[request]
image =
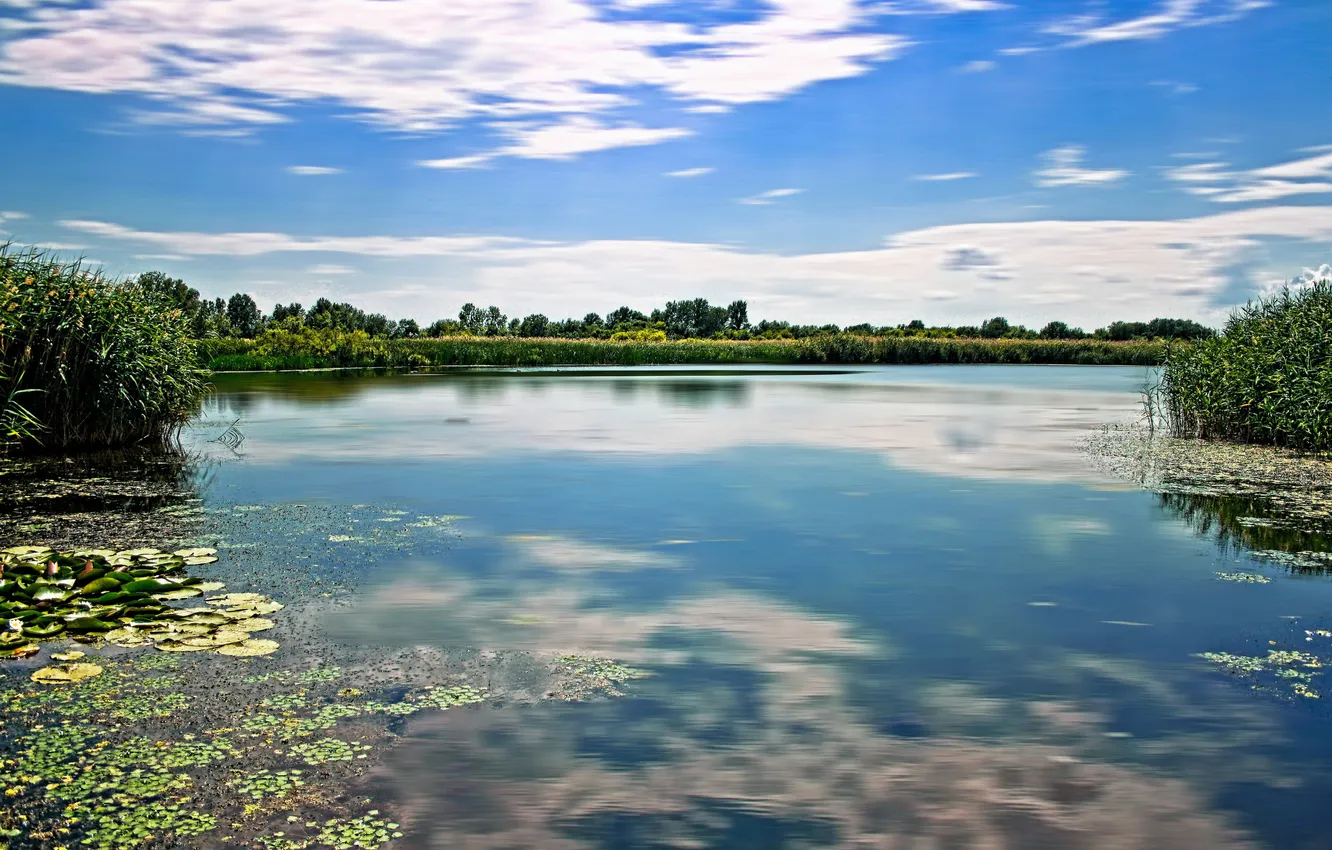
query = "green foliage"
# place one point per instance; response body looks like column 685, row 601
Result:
column 310, row 350
column 98, row 362
column 1266, row 379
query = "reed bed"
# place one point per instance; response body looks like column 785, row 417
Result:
column 94, row 362
column 311, row 350
column 1266, row 379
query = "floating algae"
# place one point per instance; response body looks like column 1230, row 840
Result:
column 1244, row 578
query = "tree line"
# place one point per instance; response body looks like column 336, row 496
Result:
column 240, row 316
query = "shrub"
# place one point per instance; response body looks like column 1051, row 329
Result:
column 98, row 362
column 1266, row 379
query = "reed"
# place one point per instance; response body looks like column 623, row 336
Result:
column 1266, row 379
column 96, row 362
column 333, row 349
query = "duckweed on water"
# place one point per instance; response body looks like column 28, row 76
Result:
column 327, row 750
column 268, row 783
column 1244, row 578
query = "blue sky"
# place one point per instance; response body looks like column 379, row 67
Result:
column 828, row 160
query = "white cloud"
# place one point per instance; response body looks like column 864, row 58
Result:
column 256, row 244
column 422, row 65
column 1019, row 51
column 1063, row 167
column 945, row 177
column 169, row 257
column 1165, row 17
column 968, row 5
column 1307, row 176
column 564, row 140
column 312, row 170
column 330, row 268
column 473, row 161
column 763, row 198
column 690, row 172
column 1033, row 271
column 979, row 66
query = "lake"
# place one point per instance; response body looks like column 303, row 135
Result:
column 889, row 607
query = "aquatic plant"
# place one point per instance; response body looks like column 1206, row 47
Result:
column 99, row 362
column 1266, row 379
column 122, row 598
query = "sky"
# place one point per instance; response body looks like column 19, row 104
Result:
column 826, row 160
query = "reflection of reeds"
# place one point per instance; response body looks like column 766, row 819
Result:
column 1266, row 379
column 100, row 362
column 332, row 350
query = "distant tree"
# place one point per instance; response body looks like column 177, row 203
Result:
column 737, row 316
column 443, row 327
column 693, row 319
column 995, row 328
column 534, row 325
column 592, row 321
column 623, row 318
column 1056, row 330
column 377, row 324
column 1121, row 331
column 864, row 329
column 514, row 325
column 471, row 318
column 405, row 329
column 1178, row 329
column 244, row 315
column 327, row 315
column 494, row 323
column 287, row 311
column 915, row 325
column 172, row 290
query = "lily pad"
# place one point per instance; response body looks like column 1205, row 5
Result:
column 231, row 599
column 209, row 586
column 172, row 646
column 250, row 648
column 221, row 637
column 127, row 637
column 62, row 674
column 183, row 593
column 205, row 559
column 72, row 655
column 253, row 624
column 194, row 553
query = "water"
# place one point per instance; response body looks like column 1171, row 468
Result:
column 882, row 607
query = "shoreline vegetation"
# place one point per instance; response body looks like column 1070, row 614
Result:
column 1267, row 378
column 281, row 351
column 87, row 361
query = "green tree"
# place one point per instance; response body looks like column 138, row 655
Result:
column 471, row 318
column 534, row 325
column 737, row 316
column 244, row 315
column 995, row 328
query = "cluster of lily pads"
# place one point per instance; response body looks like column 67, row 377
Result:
column 87, row 593
column 1244, row 578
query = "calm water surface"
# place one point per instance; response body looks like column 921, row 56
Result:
column 883, row 607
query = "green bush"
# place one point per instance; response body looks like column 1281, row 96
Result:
column 1266, row 379
column 97, row 362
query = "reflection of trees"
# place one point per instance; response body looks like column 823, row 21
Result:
column 746, row 737
column 121, row 497
column 1247, row 523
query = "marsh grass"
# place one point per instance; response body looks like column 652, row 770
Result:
column 312, row 350
column 95, row 362
column 1266, row 379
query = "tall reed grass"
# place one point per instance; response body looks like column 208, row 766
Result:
column 95, row 362
column 1266, row 379
column 311, row 349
